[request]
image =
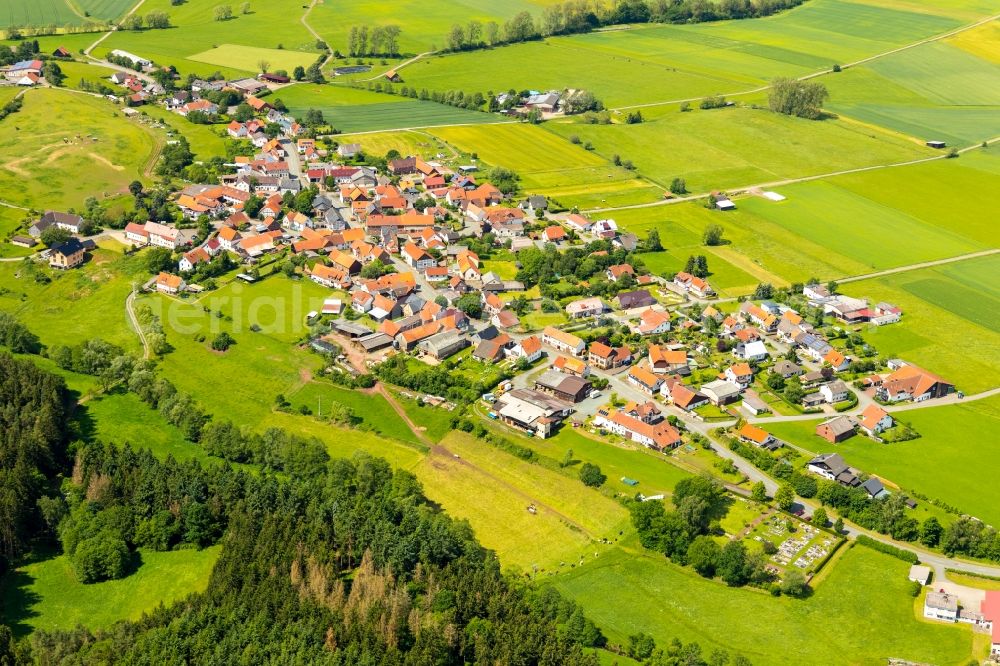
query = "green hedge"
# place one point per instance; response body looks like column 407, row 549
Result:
column 898, row 553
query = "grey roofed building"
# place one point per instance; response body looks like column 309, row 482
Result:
column 444, row 344
column 349, row 328
column 491, row 277
column 629, row 242
column 635, row 299
column 832, row 462
column 348, row 149
column 786, row 369
column 290, row 184
column 754, row 403
column 535, row 202
column 374, row 342
column 321, row 203
column 874, row 488
column 564, row 386
column 720, row 392
column 504, row 286
column 840, row 425
column 487, row 333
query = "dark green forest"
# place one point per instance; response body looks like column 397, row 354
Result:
column 353, row 566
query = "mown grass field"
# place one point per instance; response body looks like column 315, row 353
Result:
column 942, row 463
column 626, row 591
column 269, row 25
column 732, row 147
column 550, row 165
column 935, row 91
column 46, row 595
column 354, row 110
column 248, row 58
column 407, row 142
column 59, row 159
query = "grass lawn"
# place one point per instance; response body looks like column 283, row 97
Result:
column 356, row 110
column 973, row 581
column 122, row 418
column 626, row 592
column 938, row 464
column 11, row 220
column 46, row 595
column 549, row 164
column 740, row 146
column 87, row 149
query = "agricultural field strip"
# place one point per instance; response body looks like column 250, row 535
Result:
column 787, row 181
column 824, row 72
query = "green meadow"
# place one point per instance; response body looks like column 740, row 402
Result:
column 356, row 110
column 61, row 159
column 271, row 25
column 425, row 24
column 947, row 461
column 374, row 410
column 206, row 141
column 550, row 165
column 627, row 591
column 122, row 418
column 935, row 91
column 407, row 142
column 833, row 228
column 647, row 64
column 60, row 12
column 569, row 516
column 738, row 147
column 949, row 323
column 45, row 595
column 76, row 305
column 249, row 58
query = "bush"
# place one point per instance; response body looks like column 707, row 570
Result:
column 103, row 557
column 222, row 342
column 592, row 476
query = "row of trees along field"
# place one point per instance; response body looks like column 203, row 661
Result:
column 351, row 565
column 575, row 16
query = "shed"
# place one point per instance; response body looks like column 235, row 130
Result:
column 920, row 574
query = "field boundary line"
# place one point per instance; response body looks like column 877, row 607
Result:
column 918, row 266
column 743, row 189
